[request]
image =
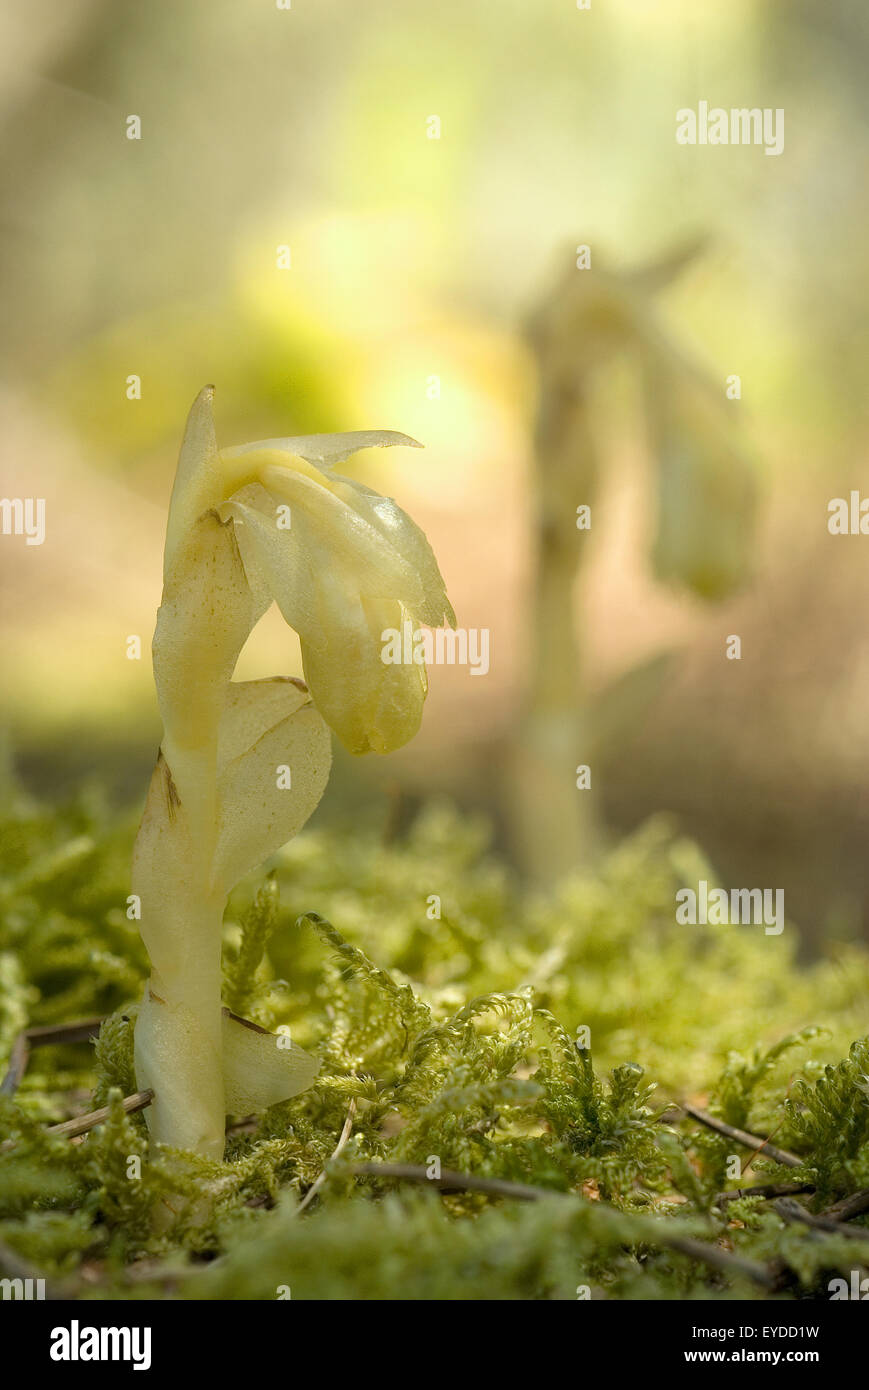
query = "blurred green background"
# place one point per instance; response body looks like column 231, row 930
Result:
column 415, row 259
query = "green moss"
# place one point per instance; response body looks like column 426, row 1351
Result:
column 449, row 1041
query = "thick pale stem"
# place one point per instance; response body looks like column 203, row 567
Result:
column 178, row 1031
column 204, row 619
column 179, row 1050
column 552, row 821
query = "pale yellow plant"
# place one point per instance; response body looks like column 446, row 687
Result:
column 249, row 525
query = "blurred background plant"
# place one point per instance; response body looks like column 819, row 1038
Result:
column 704, row 529
column 415, row 264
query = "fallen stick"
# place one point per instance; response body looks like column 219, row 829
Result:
column 792, row 1211
column 81, row 1031
column 449, row 1181
column 772, row 1189
column 846, row 1208
column 80, row 1124
column 741, row 1136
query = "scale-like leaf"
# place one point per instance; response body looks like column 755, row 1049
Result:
column 252, row 708
column 261, row 1068
column 257, row 813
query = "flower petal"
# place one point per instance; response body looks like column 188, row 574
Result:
column 198, row 476
column 410, row 541
column 363, row 539
column 327, row 449
column 286, row 567
column 372, row 706
column 350, row 565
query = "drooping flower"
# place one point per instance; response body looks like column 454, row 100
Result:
column 345, row 565
column 261, row 522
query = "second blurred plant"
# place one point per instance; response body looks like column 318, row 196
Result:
column 591, row 320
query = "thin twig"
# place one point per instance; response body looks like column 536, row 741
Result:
column 848, row 1207
column 80, row 1124
column 18, row 1059
column 449, row 1181
column 81, row 1031
column 339, row 1148
column 723, row 1260
column 772, row 1189
column 454, row 1182
column 792, row 1211
column 741, row 1136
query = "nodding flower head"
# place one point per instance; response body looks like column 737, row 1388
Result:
column 343, row 564
column 265, row 521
